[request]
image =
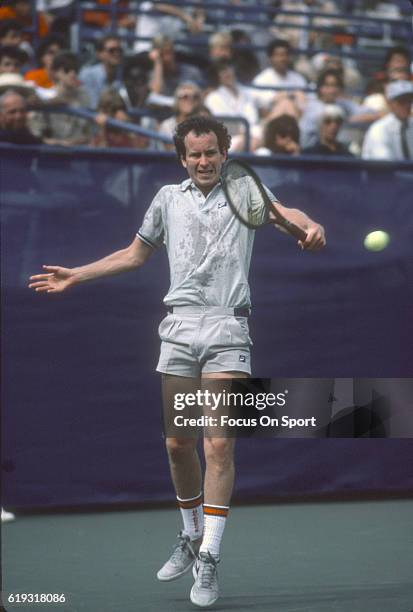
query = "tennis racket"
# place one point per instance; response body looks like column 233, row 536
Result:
column 250, row 202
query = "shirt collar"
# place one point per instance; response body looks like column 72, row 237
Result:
column 186, row 184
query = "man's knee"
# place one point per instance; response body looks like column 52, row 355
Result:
column 219, row 451
column 180, row 447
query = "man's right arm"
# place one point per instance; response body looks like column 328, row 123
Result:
column 56, row 279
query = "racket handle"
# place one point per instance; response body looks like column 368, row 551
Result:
column 295, row 231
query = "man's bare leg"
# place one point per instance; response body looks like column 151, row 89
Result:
column 219, row 452
column 219, row 482
column 186, row 476
column 182, row 452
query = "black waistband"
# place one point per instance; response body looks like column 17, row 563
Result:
column 238, row 312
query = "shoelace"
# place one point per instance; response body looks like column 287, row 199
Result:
column 183, row 543
column 207, row 570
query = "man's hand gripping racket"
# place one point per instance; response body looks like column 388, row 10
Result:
column 252, row 205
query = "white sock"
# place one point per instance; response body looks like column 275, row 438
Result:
column 214, row 523
column 192, row 516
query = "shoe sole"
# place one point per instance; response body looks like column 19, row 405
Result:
column 195, row 574
column 211, row 603
column 176, row 576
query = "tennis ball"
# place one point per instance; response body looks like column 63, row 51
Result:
column 376, row 241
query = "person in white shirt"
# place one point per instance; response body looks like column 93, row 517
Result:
column 278, row 74
column 391, row 137
column 231, row 98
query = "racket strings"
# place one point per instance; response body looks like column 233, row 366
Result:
column 245, row 195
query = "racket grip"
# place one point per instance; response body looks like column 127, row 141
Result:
column 296, row 231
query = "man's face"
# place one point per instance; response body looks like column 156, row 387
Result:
column 13, row 113
column 111, row 54
column 401, row 107
column 9, row 65
column 203, row 160
column 280, row 59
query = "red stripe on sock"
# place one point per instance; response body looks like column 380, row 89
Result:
column 193, row 503
column 214, row 511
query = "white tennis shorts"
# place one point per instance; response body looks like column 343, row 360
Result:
column 203, row 342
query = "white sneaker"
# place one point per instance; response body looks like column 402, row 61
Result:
column 6, row 517
column 205, row 590
column 181, row 560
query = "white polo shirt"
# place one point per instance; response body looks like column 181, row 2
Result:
column 209, row 250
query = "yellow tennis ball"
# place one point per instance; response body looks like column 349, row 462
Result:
column 376, row 241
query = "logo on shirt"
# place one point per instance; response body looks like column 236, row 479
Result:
column 242, row 358
column 222, row 204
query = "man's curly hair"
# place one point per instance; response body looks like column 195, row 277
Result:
column 201, row 125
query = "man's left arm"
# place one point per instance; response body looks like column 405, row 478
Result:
column 316, row 239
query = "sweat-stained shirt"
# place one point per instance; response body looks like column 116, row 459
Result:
column 209, row 250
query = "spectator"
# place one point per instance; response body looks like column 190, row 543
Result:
column 107, row 72
column 281, row 137
column 47, row 50
column 397, row 60
column 15, row 82
column 167, row 72
column 278, row 74
column 23, row 12
column 231, row 98
column 391, row 137
column 12, row 60
column 346, row 68
column 220, row 46
column 112, row 106
column 60, row 14
column 187, row 102
column 60, row 128
column 330, row 91
column 245, row 61
column 13, row 120
column 171, row 22
column 330, row 122
column 396, row 67
column 136, row 75
column 11, row 33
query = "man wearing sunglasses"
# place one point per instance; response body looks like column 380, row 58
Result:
column 107, row 72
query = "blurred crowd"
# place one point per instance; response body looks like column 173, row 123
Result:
column 280, row 86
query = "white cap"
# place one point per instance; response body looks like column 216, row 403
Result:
column 397, row 89
column 16, row 82
column 332, row 110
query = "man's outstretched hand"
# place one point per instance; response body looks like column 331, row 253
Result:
column 54, row 280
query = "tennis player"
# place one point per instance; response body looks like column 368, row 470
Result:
column 204, row 334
